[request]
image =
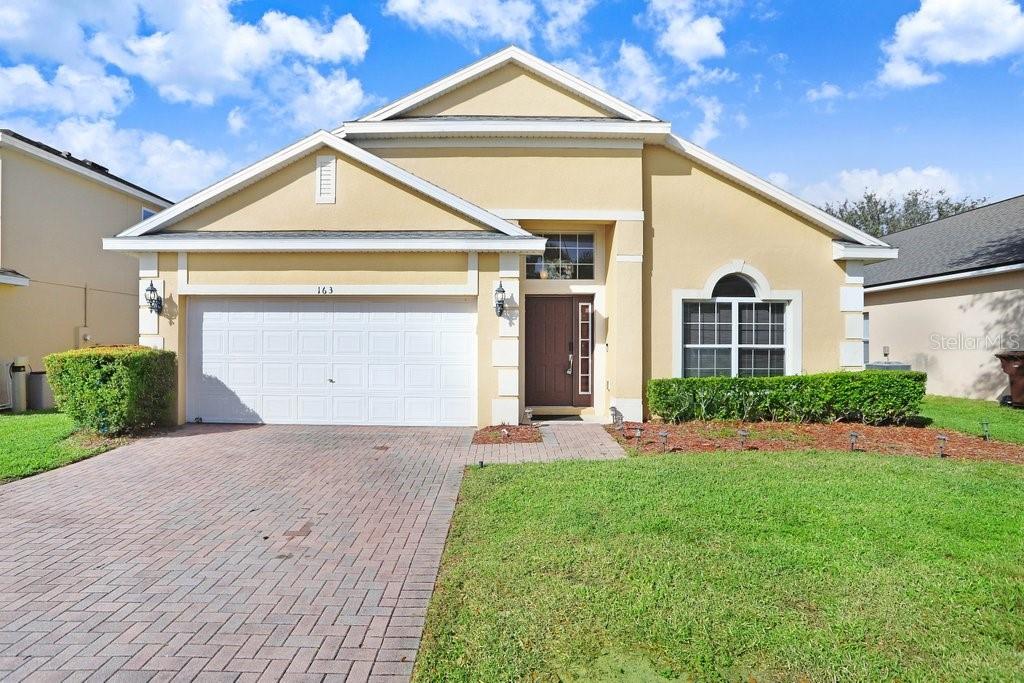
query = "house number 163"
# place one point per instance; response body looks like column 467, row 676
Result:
column 324, row 289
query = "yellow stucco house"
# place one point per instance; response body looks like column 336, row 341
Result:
column 352, row 277
column 58, row 288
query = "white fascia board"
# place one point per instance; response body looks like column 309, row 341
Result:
column 859, row 252
column 952, row 277
column 597, row 216
column 524, row 59
column 32, row 150
column 483, row 141
column 16, row 280
column 769, row 191
column 261, row 169
column 599, row 128
column 298, row 244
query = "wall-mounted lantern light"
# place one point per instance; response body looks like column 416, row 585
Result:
column 499, row 300
column 155, row 301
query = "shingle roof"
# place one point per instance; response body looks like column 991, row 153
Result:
column 84, row 163
column 986, row 237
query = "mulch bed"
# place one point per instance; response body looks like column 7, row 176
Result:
column 507, row 434
column 695, row 436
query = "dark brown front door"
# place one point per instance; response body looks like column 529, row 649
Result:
column 559, row 350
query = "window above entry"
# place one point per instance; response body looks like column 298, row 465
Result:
column 568, row 256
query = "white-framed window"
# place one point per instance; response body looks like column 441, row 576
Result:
column 146, row 213
column 734, row 333
column 567, row 256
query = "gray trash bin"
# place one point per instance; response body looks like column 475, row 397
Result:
column 40, row 397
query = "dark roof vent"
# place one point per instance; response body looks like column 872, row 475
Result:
column 94, row 166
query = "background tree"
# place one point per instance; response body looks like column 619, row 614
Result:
column 879, row 215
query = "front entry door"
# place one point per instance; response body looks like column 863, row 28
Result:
column 559, row 350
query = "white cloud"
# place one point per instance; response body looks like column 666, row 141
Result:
column 741, row 120
column 564, row 23
column 23, row 88
column 197, row 51
column 508, row 20
column 850, row 184
column 165, row 165
column 687, row 37
column 950, row 32
column 779, row 179
column 633, row 76
column 826, row 91
column 237, row 121
column 707, row 129
column 322, row 101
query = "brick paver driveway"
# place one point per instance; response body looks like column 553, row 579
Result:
column 237, row 553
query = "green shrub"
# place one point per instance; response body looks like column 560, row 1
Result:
column 871, row 396
column 114, row 389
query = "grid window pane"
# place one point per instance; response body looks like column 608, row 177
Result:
column 709, row 339
column 568, row 256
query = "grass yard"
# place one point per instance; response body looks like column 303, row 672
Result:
column 815, row 566
column 965, row 415
column 31, row 443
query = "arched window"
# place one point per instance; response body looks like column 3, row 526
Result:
column 733, row 285
column 734, row 333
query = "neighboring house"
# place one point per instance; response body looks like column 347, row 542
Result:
column 58, row 288
column 954, row 298
column 351, row 277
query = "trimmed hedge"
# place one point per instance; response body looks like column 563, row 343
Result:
column 870, row 396
column 114, row 389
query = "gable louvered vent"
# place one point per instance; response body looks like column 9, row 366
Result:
column 326, row 178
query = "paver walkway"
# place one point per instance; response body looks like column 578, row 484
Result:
column 239, row 553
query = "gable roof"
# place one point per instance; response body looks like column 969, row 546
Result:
column 511, row 55
column 321, row 138
column 84, row 167
column 633, row 123
column 989, row 236
column 773, row 193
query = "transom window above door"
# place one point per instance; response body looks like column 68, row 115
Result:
column 733, row 334
column 568, row 256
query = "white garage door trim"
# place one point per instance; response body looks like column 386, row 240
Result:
column 332, row 360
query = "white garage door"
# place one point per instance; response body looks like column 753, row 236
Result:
column 332, row 360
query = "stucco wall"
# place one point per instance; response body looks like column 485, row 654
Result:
column 508, row 91
column 530, row 178
column 950, row 330
column 696, row 222
column 366, row 200
column 332, row 268
column 52, row 222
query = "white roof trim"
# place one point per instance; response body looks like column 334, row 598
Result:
column 769, row 191
column 524, row 59
column 16, row 280
column 596, row 215
column 951, row 277
column 301, row 244
column 860, row 252
column 565, row 128
column 49, row 157
column 265, row 167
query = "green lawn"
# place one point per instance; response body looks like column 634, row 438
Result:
column 35, row 442
column 965, row 415
column 792, row 566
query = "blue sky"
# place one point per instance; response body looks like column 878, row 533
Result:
column 823, row 98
